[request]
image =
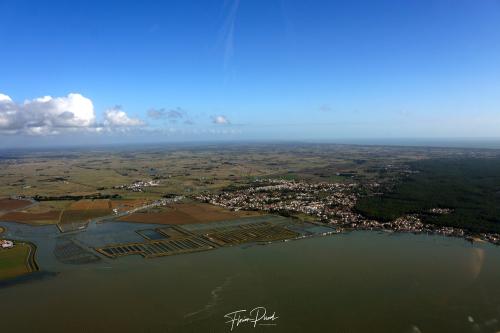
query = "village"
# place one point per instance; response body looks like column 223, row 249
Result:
column 327, row 202
column 331, row 203
column 138, row 186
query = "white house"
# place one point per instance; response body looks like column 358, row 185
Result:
column 6, row 244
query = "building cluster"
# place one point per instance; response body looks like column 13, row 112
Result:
column 440, row 211
column 328, row 202
column 492, row 238
column 138, row 186
column 412, row 223
column 408, row 223
column 331, row 203
column 6, row 244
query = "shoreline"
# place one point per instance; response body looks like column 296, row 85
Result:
column 429, row 229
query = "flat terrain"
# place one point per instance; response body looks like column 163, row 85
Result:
column 86, row 204
column 46, row 212
column 7, row 204
column 13, row 262
column 76, row 185
column 188, row 170
column 49, row 217
column 68, row 211
column 126, row 205
column 84, row 210
column 186, row 213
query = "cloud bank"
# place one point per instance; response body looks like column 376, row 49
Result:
column 53, row 115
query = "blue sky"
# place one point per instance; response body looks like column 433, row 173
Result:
column 248, row 69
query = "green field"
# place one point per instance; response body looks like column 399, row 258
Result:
column 70, row 216
column 14, row 262
column 469, row 186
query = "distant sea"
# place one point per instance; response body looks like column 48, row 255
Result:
column 430, row 142
column 478, row 143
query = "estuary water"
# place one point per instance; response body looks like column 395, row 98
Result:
column 349, row 282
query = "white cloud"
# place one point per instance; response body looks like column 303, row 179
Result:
column 5, row 98
column 54, row 115
column 73, row 110
column 45, row 115
column 220, row 120
column 115, row 117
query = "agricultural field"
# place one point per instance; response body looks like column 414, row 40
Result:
column 78, row 185
column 45, row 212
column 128, row 204
column 7, row 204
column 186, row 213
column 47, row 206
column 86, row 204
column 50, row 217
column 82, row 215
column 60, row 211
column 14, row 261
column 84, row 210
column 186, row 170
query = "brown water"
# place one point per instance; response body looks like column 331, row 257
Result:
column 355, row 282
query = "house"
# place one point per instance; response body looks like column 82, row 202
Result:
column 6, row 244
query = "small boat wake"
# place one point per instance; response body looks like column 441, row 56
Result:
column 214, row 298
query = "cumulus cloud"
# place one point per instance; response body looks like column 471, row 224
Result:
column 116, row 117
column 53, row 115
column 46, row 115
column 4, row 98
column 220, row 120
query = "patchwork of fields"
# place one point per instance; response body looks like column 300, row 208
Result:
column 129, row 186
column 186, row 213
column 65, row 211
